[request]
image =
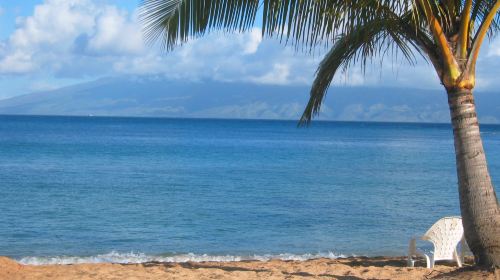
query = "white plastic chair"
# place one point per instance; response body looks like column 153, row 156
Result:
column 445, row 235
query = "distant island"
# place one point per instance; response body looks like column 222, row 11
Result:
column 151, row 96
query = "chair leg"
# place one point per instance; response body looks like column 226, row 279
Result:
column 463, row 246
column 429, row 261
column 410, row 262
column 412, row 251
column 457, row 258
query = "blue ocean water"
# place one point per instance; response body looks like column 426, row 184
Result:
column 130, row 189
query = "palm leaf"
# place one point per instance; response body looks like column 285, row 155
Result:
column 363, row 43
column 176, row 20
column 304, row 22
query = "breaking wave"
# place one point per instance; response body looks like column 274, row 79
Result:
column 123, row 258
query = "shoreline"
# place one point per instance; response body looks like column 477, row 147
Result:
column 137, row 257
column 321, row 268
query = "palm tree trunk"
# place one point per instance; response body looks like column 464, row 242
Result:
column 478, row 200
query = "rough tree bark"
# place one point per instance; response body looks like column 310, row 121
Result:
column 478, row 200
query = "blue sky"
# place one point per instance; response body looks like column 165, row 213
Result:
column 46, row 44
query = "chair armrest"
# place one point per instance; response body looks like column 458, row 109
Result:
column 413, row 251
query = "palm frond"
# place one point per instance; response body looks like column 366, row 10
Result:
column 479, row 13
column 309, row 22
column 304, row 22
column 361, row 44
column 175, row 21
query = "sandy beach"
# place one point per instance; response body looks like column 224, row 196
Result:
column 346, row 268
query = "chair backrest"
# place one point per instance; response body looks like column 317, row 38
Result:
column 445, row 235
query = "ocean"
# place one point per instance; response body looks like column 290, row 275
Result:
column 99, row 189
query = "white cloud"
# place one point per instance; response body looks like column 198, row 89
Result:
column 224, row 57
column 278, row 75
column 16, row 62
column 494, row 48
column 53, row 24
column 61, row 32
column 83, row 39
column 353, row 77
column 252, row 41
column 142, row 65
column 115, row 33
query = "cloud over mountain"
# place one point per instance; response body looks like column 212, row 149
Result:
column 155, row 96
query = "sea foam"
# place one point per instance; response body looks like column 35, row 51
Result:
column 123, row 258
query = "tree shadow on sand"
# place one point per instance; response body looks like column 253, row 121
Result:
column 461, row 273
column 191, row 265
column 394, row 262
column 333, row 276
column 374, row 261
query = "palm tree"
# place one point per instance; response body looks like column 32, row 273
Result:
column 447, row 33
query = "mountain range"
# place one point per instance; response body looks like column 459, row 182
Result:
column 159, row 97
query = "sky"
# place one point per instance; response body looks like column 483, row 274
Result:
column 48, row 44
